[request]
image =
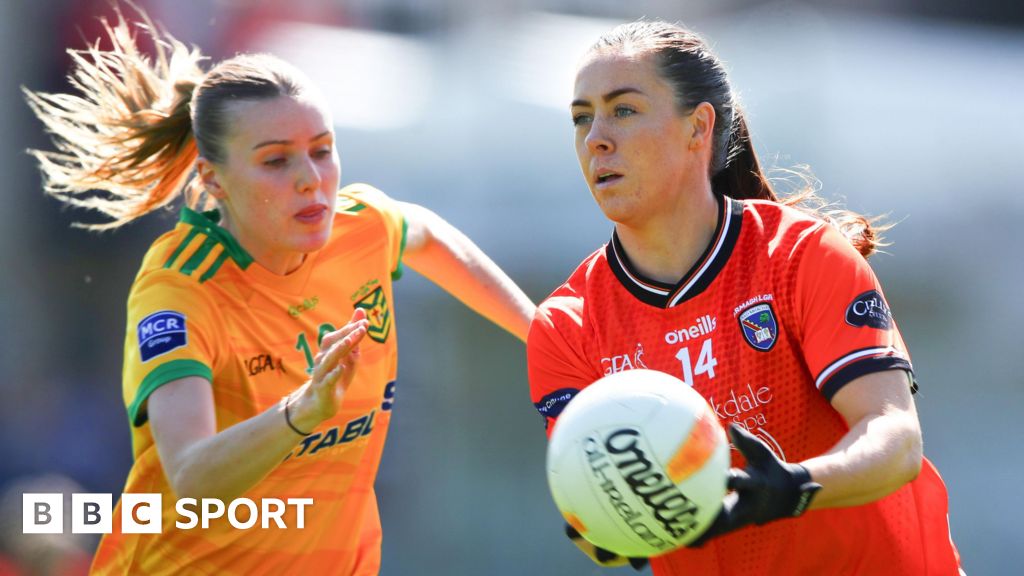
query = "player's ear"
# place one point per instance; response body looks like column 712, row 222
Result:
column 702, row 121
column 208, row 176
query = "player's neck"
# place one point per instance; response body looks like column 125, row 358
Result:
column 276, row 261
column 665, row 247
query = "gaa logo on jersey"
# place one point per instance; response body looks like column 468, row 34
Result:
column 161, row 332
column 759, row 326
column 378, row 313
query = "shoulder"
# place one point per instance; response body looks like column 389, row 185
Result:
column 181, row 266
column 169, row 288
column 570, row 296
column 195, row 252
column 562, row 312
column 774, row 219
column 361, row 204
column 358, row 197
column 783, row 232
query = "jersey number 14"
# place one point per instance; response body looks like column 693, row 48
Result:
column 705, row 362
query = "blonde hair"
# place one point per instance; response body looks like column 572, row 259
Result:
column 138, row 124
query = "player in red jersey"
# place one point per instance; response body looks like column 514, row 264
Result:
column 770, row 312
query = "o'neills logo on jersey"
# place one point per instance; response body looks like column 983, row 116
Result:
column 625, row 451
column 703, row 326
column 869, row 309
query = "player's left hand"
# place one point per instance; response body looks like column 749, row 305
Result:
column 767, row 489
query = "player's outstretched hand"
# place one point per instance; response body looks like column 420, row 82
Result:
column 767, row 489
column 599, row 555
column 333, row 369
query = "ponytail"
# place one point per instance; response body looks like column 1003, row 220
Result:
column 696, row 74
column 129, row 131
column 742, row 179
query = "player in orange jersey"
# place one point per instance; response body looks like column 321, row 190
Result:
column 767, row 310
column 260, row 351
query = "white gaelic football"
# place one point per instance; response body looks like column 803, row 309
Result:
column 637, row 462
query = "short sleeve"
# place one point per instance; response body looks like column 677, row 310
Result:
column 170, row 334
column 357, row 197
column 556, row 364
column 846, row 327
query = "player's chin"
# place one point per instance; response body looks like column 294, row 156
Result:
column 311, row 240
column 617, row 209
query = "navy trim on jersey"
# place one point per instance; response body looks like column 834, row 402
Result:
column 697, row 278
column 869, row 365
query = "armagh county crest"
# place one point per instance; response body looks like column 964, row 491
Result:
column 759, row 326
column 378, row 313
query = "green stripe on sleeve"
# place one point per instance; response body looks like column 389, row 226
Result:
column 159, row 376
column 181, row 247
column 196, row 259
column 397, row 272
column 207, row 223
column 214, row 267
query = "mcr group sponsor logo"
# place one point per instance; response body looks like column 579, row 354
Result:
column 160, row 333
column 378, row 313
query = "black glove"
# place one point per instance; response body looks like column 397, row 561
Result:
column 767, row 489
column 599, row 555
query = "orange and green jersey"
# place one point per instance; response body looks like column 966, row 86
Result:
column 201, row 307
column 776, row 316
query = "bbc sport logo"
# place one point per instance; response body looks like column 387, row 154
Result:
column 143, row 513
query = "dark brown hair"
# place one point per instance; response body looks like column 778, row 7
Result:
column 696, row 74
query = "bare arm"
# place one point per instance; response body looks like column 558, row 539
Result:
column 202, row 463
column 882, row 450
column 448, row 258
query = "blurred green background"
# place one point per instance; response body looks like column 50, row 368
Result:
column 905, row 108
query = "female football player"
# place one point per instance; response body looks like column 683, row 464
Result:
column 769, row 311
column 260, row 350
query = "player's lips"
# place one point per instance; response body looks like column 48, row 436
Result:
column 604, row 177
column 312, row 214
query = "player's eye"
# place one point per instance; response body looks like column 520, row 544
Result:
column 622, row 111
column 581, row 118
column 275, row 162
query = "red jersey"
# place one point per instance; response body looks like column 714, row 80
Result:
column 776, row 316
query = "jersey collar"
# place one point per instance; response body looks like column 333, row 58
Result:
column 697, row 278
column 208, row 223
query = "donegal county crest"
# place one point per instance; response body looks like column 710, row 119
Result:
column 378, row 313
column 759, row 326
